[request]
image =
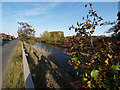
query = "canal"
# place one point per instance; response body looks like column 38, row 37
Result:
column 59, row 57
column 57, row 53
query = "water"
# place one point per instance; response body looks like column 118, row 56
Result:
column 56, row 52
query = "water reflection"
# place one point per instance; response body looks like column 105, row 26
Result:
column 56, row 52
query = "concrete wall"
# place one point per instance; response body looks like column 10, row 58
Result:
column 27, row 74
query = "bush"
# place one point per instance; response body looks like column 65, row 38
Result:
column 96, row 60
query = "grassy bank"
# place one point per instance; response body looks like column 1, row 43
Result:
column 15, row 75
column 36, row 69
column 42, row 69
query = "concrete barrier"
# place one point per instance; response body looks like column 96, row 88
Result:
column 27, row 75
column 48, row 75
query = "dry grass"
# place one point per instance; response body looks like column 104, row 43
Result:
column 15, row 74
column 42, row 69
column 39, row 69
column 43, row 51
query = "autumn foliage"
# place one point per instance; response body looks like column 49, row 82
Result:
column 96, row 60
column 26, row 32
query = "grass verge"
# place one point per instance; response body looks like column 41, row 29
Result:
column 15, row 75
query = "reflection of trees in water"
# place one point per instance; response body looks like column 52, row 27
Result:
column 57, row 54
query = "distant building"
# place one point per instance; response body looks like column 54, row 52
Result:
column 6, row 37
column 3, row 35
column 57, row 34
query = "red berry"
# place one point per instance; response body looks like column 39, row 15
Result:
column 83, row 18
column 90, row 4
column 91, row 80
column 101, row 24
column 76, row 29
column 83, row 86
column 71, row 83
column 103, row 40
column 117, row 42
column 86, row 5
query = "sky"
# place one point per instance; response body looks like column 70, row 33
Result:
column 53, row 16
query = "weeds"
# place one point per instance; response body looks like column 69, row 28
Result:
column 15, row 74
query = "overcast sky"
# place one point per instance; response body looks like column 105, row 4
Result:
column 53, row 16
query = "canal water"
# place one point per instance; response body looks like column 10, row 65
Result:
column 57, row 53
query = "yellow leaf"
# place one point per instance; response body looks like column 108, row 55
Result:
column 110, row 56
column 78, row 62
column 89, row 63
column 96, row 54
column 78, row 24
column 106, row 61
column 72, row 48
column 92, row 61
column 109, row 43
column 85, row 79
column 86, row 74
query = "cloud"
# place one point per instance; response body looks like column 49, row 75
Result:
column 24, row 19
column 35, row 11
column 39, row 9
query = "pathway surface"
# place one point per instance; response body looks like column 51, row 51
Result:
column 8, row 48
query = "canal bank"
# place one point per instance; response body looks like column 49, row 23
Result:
column 40, row 64
column 58, row 56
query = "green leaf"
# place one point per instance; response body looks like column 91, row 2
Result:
column 75, row 67
column 116, row 79
column 115, row 68
column 94, row 74
column 106, row 83
column 77, row 73
column 100, row 69
column 106, row 86
column 74, row 58
column 89, row 84
column 85, row 79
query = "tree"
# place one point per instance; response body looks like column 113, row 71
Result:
column 57, row 36
column 87, row 28
column 25, row 31
column 45, row 36
column 62, row 38
column 95, row 60
column 116, row 27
